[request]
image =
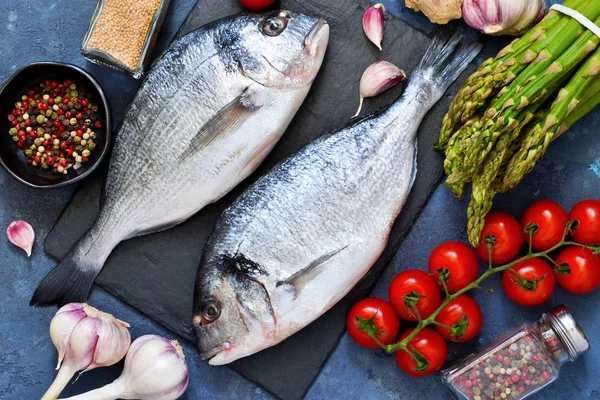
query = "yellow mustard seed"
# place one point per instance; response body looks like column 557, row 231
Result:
column 122, row 28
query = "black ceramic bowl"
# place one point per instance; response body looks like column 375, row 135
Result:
column 12, row 158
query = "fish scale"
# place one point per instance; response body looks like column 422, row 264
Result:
column 188, row 138
column 315, row 224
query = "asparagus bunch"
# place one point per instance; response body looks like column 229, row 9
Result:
column 499, row 125
column 497, row 72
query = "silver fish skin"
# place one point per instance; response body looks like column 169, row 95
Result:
column 294, row 243
column 207, row 114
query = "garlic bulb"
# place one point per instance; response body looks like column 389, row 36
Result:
column 503, row 17
column 155, row 369
column 378, row 78
column 374, row 24
column 438, row 11
column 21, row 234
column 85, row 338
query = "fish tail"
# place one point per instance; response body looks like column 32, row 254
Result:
column 71, row 280
column 447, row 57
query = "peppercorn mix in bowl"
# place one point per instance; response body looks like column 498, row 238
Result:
column 54, row 125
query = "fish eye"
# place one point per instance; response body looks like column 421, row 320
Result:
column 210, row 310
column 273, row 26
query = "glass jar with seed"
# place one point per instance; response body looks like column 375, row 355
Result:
column 520, row 361
column 122, row 33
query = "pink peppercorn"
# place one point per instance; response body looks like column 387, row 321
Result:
column 546, row 375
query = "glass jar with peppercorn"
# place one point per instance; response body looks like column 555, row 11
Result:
column 520, row 361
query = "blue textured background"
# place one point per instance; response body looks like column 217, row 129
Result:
column 36, row 30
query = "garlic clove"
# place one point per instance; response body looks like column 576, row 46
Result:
column 113, row 341
column 374, row 24
column 81, row 346
column 61, row 326
column 503, row 17
column 21, row 234
column 533, row 11
column 378, row 78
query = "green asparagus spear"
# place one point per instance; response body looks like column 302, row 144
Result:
column 543, row 133
column 588, row 102
column 503, row 117
column 455, row 153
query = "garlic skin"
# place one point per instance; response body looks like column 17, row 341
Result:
column 85, row 338
column 503, row 17
column 21, row 234
column 374, row 24
column 155, row 369
column 438, row 11
column 378, row 78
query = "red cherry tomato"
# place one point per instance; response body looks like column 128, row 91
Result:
column 587, row 212
column 583, row 275
column 414, row 287
column 256, row 4
column 430, row 346
column 464, row 316
column 460, row 261
column 382, row 314
column 551, row 220
column 508, row 234
column 532, row 284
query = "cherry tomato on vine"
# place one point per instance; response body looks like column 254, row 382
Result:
column 458, row 260
column 464, row 316
column 508, row 234
column 431, row 355
column 532, row 284
column 256, row 4
column 587, row 213
column 583, row 274
column 414, row 288
column 387, row 323
column 551, row 220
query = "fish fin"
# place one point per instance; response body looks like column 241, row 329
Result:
column 447, row 57
column 223, row 123
column 299, row 279
column 66, row 283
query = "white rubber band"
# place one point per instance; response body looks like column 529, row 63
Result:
column 579, row 17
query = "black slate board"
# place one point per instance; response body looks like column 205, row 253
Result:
column 155, row 274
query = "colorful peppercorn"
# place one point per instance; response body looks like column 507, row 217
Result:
column 38, row 121
column 519, row 362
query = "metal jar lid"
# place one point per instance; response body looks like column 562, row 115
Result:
column 569, row 331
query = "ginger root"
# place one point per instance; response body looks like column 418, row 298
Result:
column 438, row 11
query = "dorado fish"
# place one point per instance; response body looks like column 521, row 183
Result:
column 207, row 114
column 294, row 243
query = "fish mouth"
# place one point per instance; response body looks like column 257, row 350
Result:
column 215, row 350
column 317, row 38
